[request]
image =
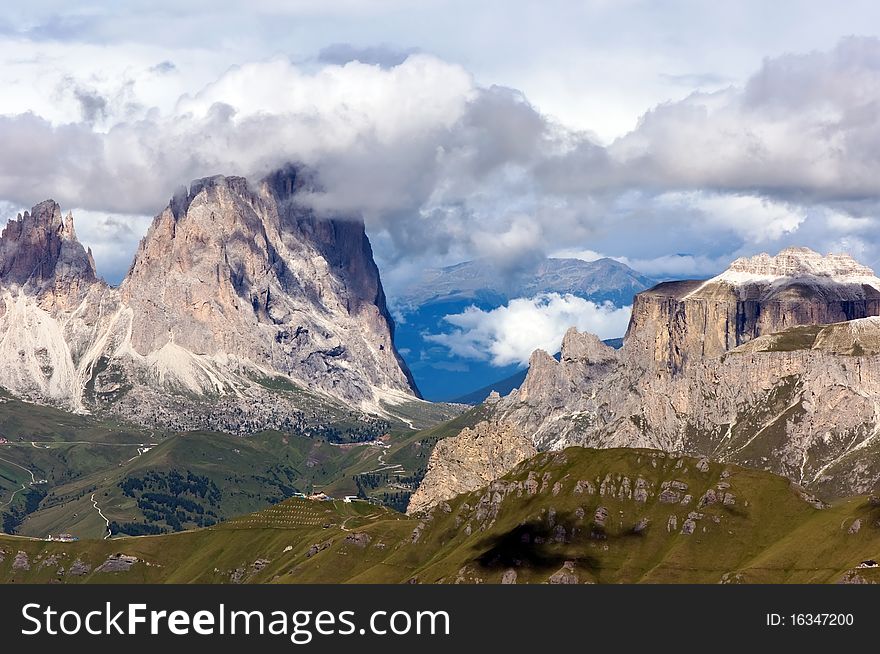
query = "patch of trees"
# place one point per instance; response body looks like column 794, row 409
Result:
column 136, row 529
column 366, row 429
column 173, row 483
column 181, row 501
column 13, row 518
column 396, row 500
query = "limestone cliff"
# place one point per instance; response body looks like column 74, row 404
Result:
column 739, row 368
column 40, row 255
column 469, row 461
column 676, row 322
column 250, row 276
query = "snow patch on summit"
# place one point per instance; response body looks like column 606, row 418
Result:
column 797, row 262
column 794, row 263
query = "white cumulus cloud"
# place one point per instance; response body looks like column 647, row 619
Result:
column 509, row 334
column 441, row 164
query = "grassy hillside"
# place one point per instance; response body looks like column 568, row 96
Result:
column 603, row 516
column 59, row 471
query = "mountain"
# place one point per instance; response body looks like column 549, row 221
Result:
column 740, row 368
column 574, row 516
column 242, row 310
column 603, row 280
column 759, row 295
column 437, row 293
column 39, row 252
column 504, row 386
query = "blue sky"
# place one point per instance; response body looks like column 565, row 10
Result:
column 674, row 136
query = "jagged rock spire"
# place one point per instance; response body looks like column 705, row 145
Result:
column 40, row 249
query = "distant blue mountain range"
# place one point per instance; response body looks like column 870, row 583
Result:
column 421, row 308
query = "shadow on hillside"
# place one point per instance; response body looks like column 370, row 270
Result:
column 536, row 545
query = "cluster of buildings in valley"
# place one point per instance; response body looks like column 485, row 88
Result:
column 63, row 538
column 323, row 497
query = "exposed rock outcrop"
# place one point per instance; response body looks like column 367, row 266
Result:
column 40, row 254
column 469, row 461
column 677, row 322
column 117, row 563
column 21, row 562
column 565, row 575
column 791, row 402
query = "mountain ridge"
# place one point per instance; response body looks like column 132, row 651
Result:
column 233, row 284
column 603, row 280
column 771, row 374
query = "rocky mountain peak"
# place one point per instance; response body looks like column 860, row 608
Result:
column 40, row 250
column 248, row 272
column 585, row 347
column 542, row 372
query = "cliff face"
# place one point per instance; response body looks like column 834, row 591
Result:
column 739, row 368
column 250, row 275
column 236, row 290
column 677, row 322
column 469, row 461
column 48, row 295
column 804, row 403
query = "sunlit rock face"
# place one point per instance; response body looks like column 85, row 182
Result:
column 675, row 322
column 774, row 364
column 235, row 285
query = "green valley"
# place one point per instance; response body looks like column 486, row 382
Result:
column 575, row 516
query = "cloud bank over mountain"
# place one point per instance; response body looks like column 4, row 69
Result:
column 442, row 164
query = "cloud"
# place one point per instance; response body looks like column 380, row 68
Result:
column 164, row 67
column 509, row 334
column 803, row 128
column 419, row 150
column 513, row 248
column 383, row 55
column 752, row 218
column 251, row 120
column 696, row 80
column 442, row 166
column 679, row 266
column 93, row 104
column 578, row 253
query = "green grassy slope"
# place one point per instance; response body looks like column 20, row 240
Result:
column 249, row 473
column 81, row 457
column 595, row 515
